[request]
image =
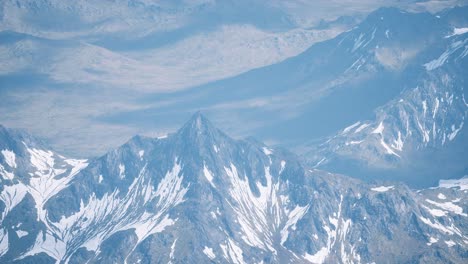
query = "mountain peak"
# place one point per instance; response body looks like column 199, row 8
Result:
column 198, row 126
column 198, row 121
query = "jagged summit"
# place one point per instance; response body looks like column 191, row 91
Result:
column 200, row 129
column 203, row 196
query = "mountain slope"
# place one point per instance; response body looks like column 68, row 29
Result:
column 200, row 196
column 422, row 124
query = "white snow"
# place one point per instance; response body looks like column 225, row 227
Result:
column 441, row 196
column 387, row 148
column 320, row 162
column 209, row 253
column 349, row 128
column 283, row 165
column 213, row 215
column 48, row 244
column 215, row 148
column 398, row 143
column 436, row 107
column 232, row 252
column 459, row 183
column 171, row 255
column 358, row 42
column 295, row 215
column 318, row 257
column 208, row 175
column 424, row 104
column 44, row 184
column 432, row 241
column 446, row 229
column 361, row 127
column 162, row 136
column 141, row 153
column 382, row 188
column 100, row 178
column 103, row 213
column 450, row 243
column 252, row 211
column 454, row 133
column 352, row 142
column 6, row 174
column 21, row 233
column 434, row 64
column 3, row 242
column 336, row 235
column 11, row 196
column 267, row 151
column 121, row 171
column 42, row 160
column 435, row 212
column 379, row 129
column 448, row 206
column 10, row 158
column 458, row 31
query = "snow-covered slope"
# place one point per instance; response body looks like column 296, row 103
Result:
column 200, row 196
column 425, row 122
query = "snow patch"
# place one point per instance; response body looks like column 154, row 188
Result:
column 267, row 151
column 458, row 31
column 232, row 252
column 208, row 175
column 460, row 183
column 448, row 206
column 446, row 229
column 361, row 127
column 434, row 64
column 295, row 215
column 318, row 257
column 3, row 242
column 435, row 212
column 398, row 143
column 10, row 158
column 383, row 188
column 455, row 131
column 209, row 253
column 450, row 243
column 379, row 129
column 283, row 165
column 432, row 241
column 347, row 129
column 6, row 174
column 21, row 233
column 121, row 171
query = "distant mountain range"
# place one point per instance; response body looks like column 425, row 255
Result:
column 373, row 113
column 198, row 196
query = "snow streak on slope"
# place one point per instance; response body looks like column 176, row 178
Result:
column 101, row 218
column 46, row 180
column 253, row 212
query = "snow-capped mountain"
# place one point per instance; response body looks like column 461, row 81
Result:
column 425, row 122
column 199, row 196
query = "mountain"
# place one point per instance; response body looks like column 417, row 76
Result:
column 400, row 77
column 200, row 196
column 425, row 122
column 335, row 82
